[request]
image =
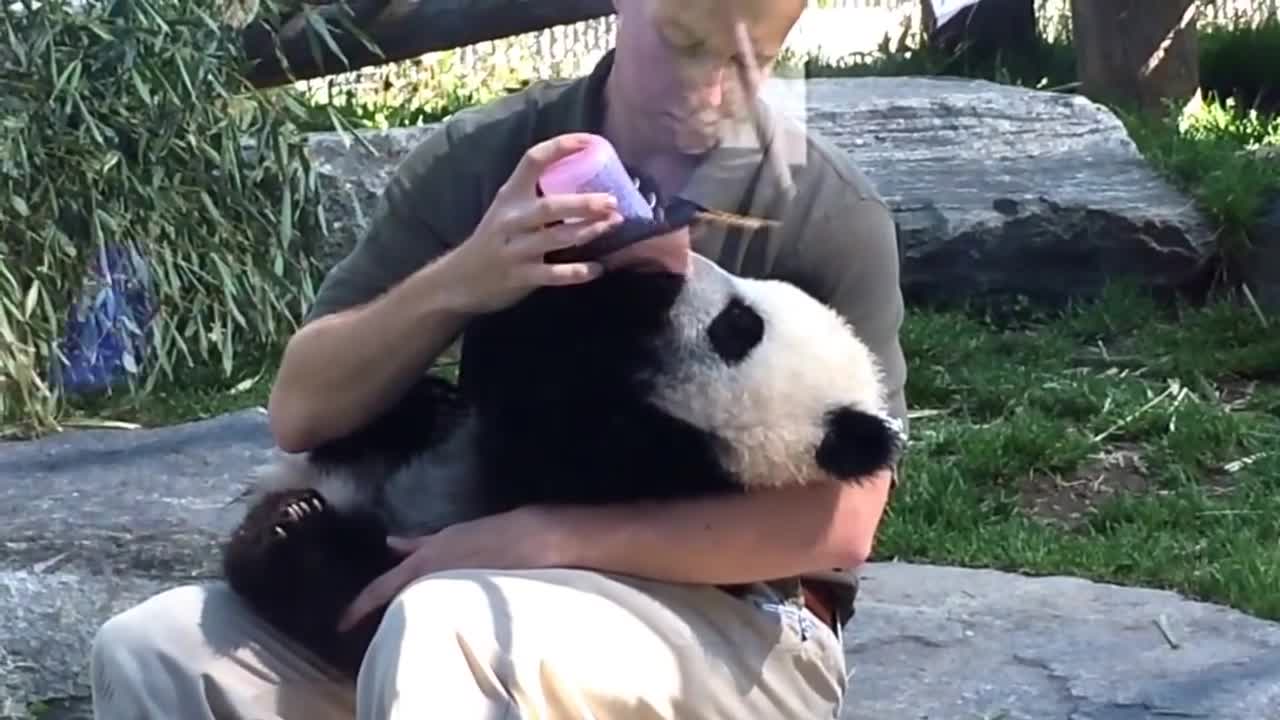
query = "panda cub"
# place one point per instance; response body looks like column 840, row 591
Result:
column 641, row 384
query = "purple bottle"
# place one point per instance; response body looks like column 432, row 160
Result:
column 596, row 168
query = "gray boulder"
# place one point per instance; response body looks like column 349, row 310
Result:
column 94, row 521
column 1001, row 190
column 352, row 170
column 998, row 190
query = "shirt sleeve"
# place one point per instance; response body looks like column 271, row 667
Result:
column 401, row 238
column 849, row 256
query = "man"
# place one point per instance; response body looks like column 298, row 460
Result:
column 699, row 609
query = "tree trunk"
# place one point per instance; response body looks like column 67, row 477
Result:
column 400, row 29
column 1137, row 53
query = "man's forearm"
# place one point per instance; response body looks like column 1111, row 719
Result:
column 725, row 540
column 340, row 369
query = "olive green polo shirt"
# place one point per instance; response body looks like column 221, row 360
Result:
column 836, row 240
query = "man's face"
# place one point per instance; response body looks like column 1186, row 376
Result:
column 678, row 61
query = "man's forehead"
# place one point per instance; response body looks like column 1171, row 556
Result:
column 688, row 20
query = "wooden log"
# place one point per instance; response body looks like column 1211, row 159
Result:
column 1137, row 53
column 399, row 29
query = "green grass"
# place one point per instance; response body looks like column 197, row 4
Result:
column 1217, row 153
column 1098, row 444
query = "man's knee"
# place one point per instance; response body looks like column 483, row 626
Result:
column 143, row 630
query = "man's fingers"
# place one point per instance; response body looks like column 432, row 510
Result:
column 565, row 273
column 530, row 217
column 539, row 157
column 556, row 208
column 566, row 235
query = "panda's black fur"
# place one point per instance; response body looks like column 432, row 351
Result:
column 619, row 389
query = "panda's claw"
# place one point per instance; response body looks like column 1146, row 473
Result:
column 295, row 512
column 304, row 506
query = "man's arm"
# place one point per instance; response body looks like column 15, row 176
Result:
column 342, row 368
column 753, row 537
column 390, row 307
column 727, row 540
column 381, row 316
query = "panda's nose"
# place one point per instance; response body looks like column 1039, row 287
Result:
column 670, row 252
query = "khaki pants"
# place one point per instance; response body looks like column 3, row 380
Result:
column 545, row 644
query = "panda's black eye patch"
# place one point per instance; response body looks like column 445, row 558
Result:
column 735, row 331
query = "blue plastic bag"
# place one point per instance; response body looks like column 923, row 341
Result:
column 108, row 329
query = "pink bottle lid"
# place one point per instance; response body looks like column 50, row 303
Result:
column 569, row 173
column 596, row 168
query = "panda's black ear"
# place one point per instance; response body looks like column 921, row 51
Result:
column 856, row 444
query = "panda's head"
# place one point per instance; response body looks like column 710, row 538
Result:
column 641, row 379
column 791, row 391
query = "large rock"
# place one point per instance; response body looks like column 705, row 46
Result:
column 94, row 521
column 91, row 522
column 352, row 170
column 998, row 190
column 936, row 642
column 1003, row 191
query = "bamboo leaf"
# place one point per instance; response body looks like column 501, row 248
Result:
column 321, row 27
column 33, row 296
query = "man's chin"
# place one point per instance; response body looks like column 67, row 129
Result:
column 697, row 141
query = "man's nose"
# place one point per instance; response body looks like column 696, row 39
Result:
column 708, row 87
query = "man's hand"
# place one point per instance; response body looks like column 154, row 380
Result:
column 516, row 539
column 503, row 259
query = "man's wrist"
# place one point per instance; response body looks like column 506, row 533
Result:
column 437, row 293
column 553, row 536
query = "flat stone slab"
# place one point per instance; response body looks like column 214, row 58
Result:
column 941, row 642
column 93, row 521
